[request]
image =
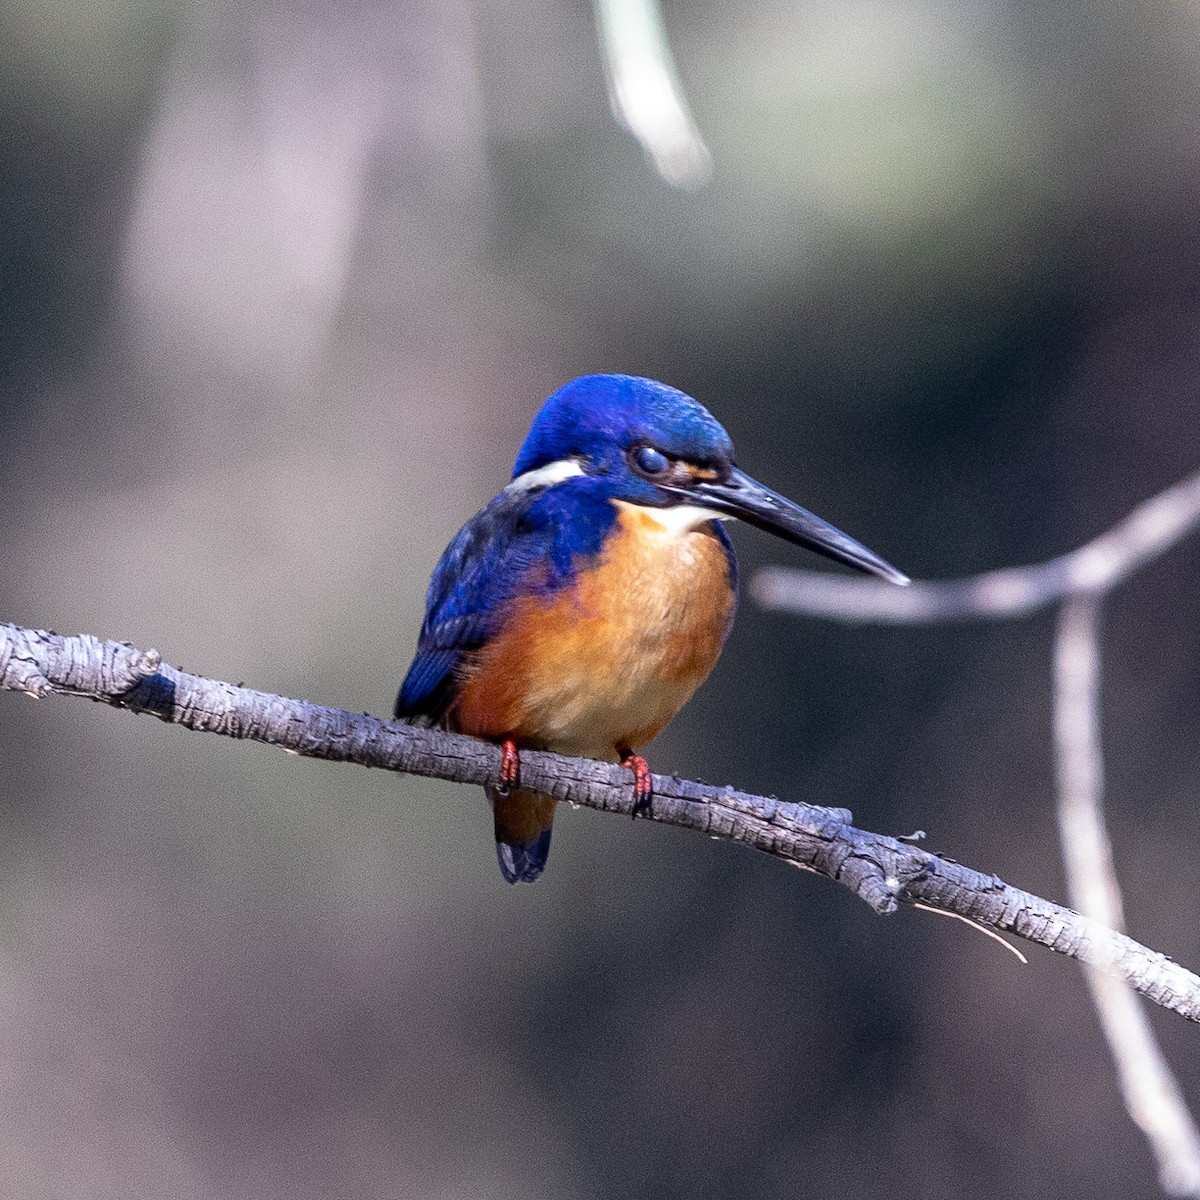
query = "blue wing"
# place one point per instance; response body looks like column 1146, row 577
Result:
column 521, row 540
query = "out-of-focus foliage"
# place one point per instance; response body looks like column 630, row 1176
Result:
column 280, row 286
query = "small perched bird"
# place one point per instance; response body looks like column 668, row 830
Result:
column 580, row 610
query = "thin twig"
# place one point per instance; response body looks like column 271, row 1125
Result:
column 882, row 871
column 991, row 933
column 645, row 93
column 1152, row 1095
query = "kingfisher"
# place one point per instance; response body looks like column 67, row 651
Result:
column 584, row 605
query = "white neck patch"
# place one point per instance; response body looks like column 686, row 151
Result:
column 540, row 477
column 682, row 518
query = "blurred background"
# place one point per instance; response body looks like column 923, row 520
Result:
column 281, row 285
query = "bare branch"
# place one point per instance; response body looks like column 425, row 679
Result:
column 1087, row 850
column 645, row 94
column 1152, row 1095
column 882, row 871
column 1095, row 568
column 1076, row 580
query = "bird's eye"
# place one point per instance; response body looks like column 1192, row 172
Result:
column 650, row 461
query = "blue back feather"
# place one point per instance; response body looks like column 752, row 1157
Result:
column 520, row 543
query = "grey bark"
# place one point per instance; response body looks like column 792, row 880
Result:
column 883, row 871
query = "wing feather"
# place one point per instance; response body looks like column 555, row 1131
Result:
column 520, row 541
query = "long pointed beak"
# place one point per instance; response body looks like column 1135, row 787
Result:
column 746, row 498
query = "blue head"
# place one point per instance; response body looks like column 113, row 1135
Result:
column 652, row 445
column 615, row 426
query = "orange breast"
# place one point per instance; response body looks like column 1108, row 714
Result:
column 608, row 661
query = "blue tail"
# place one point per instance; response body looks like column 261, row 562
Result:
column 523, row 864
column 524, row 821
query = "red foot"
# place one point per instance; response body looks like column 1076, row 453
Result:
column 510, row 766
column 643, row 788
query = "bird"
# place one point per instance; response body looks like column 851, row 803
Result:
column 582, row 607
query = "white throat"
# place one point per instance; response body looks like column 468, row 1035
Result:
column 683, row 518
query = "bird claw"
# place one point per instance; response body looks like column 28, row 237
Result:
column 510, row 767
column 643, row 787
